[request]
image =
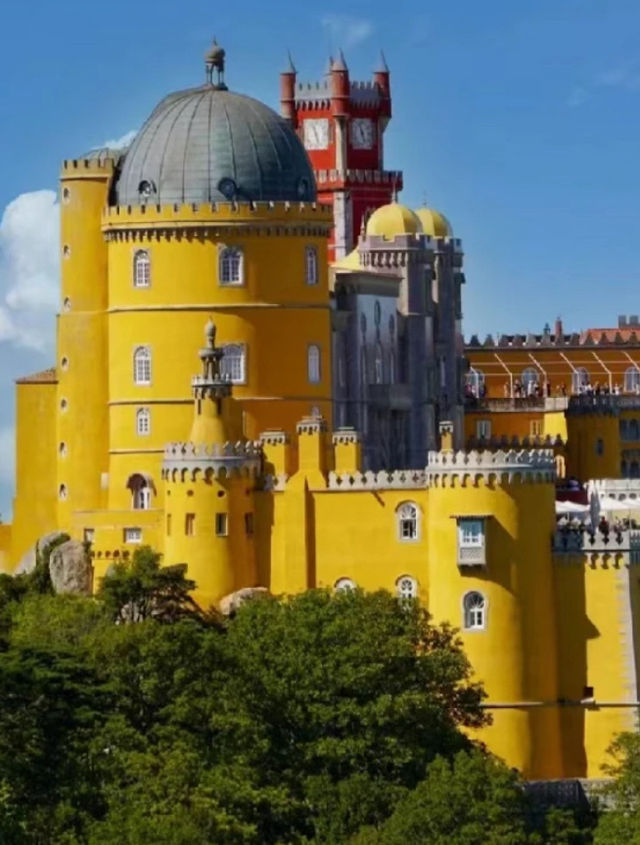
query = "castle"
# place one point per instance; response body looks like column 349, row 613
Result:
column 322, row 443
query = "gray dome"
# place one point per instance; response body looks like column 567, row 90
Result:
column 210, row 145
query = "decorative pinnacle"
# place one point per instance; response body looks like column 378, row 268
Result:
column 382, row 64
column 214, row 60
column 290, row 68
column 212, row 382
column 340, row 63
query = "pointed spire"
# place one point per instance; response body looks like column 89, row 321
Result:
column 340, row 63
column 290, row 67
column 382, row 64
column 329, row 66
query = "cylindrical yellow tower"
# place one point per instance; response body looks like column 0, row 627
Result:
column 491, row 516
column 82, row 434
column 209, row 486
column 593, row 442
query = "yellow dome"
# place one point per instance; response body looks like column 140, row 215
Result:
column 349, row 262
column 393, row 219
column 434, row 223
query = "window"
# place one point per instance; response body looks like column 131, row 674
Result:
column 133, row 535
column 378, row 371
column 474, row 607
column 407, row 519
column 579, row 380
column 471, row 541
column 311, row 265
column 88, row 535
column 222, row 524
column 599, row 446
column 141, row 269
column 632, row 380
column 142, row 365
column 190, row 524
column 364, row 376
column 474, row 382
column 536, row 428
column 483, row 429
column 141, row 488
column 143, row 421
column 233, row 365
column 530, row 377
column 62, row 492
column 407, row 587
column 248, row 524
column 344, row 584
column 230, row 266
column 168, row 525
column 392, row 367
column 313, row 363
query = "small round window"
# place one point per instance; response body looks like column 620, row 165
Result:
column 228, row 188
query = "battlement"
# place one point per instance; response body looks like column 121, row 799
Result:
column 504, row 442
column 500, row 467
column 188, row 461
column 624, row 545
column 392, row 178
column 402, row 479
column 77, row 168
column 223, row 213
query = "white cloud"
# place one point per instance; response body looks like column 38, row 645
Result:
column 624, row 77
column 29, row 269
column 347, row 31
column 122, row 142
column 7, row 455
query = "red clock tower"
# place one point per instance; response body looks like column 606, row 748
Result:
column 342, row 125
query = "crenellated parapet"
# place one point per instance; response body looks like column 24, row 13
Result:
column 595, row 546
column 402, row 479
column 82, row 168
column 189, row 461
column 510, row 443
column 448, row 468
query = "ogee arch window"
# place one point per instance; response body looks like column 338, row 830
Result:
column 313, row 363
column 407, row 518
column 141, row 487
column 474, row 611
column 231, row 266
column 142, row 365
column 344, row 584
column 141, row 268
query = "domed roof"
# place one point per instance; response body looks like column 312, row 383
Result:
column 393, row 219
column 208, row 144
column 434, row 223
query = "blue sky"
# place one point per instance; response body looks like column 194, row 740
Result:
column 519, row 120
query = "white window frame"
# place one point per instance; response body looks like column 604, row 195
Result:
column 142, row 268
column 579, row 378
column 311, row 265
column 142, row 498
column 234, row 362
column 407, row 515
column 142, row 365
column 143, row 422
column 474, row 614
column 472, row 541
column 632, row 380
column 222, row 524
column 230, row 266
column 132, row 535
column 406, row 587
column 314, row 363
column 343, row 584
column 530, row 376
column 483, row 429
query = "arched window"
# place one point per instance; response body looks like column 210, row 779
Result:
column 579, row 380
column 141, row 487
column 364, row 375
column 406, row 587
column 313, row 363
column 141, row 269
column 624, row 429
column 530, row 377
column 634, row 470
column 311, row 265
column 142, row 365
column 230, row 266
column 234, row 362
column 474, row 611
column 632, row 380
column 378, row 365
column 632, row 430
column 143, row 421
column 624, row 469
column 407, row 520
column 343, row 584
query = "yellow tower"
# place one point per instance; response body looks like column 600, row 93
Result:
column 490, row 518
column 209, row 489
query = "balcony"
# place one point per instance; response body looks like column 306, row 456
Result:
column 606, row 403
column 525, row 403
column 579, row 541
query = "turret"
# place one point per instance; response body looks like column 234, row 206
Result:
column 288, row 92
column 209, row 488
column 381, row 77
column 340, row 87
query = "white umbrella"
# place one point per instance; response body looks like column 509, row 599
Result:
column 609, row 504
column 570, row 507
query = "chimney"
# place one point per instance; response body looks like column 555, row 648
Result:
column 558, row 329
column 622, row 321
column 633, row 319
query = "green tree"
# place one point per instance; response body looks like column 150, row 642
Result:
column 619, row 823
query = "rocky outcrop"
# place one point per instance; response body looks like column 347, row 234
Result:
column 70, row 569
column 28, row 561
column 230, row 604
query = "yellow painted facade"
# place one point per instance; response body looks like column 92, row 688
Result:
column 246, row 483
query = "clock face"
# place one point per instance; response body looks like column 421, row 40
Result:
column 362, row 133
column 316, row 133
